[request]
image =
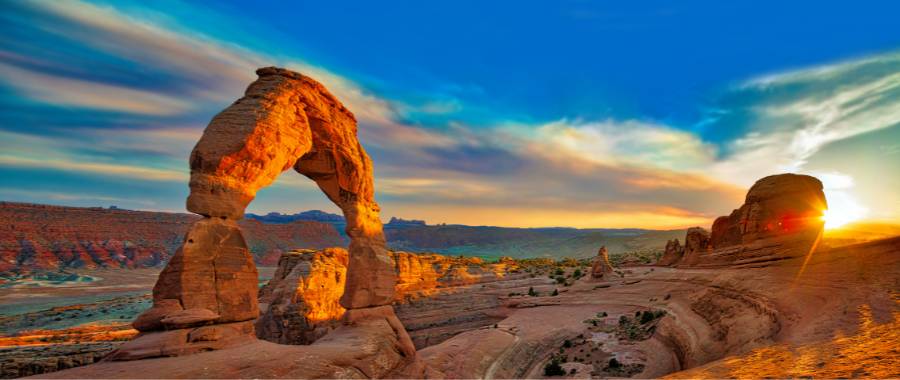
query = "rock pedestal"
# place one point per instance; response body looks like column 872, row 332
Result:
column 206, row 298
column 672, row 254
column 601, row 266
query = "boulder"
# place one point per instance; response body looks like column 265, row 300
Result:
column 302, row 300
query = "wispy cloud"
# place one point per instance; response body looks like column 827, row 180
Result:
column 72, row 92
column 100, row 169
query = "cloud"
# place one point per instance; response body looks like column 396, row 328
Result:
column 79, row 93
column 102, row 169
column 795, row 114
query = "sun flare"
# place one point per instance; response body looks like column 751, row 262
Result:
column 842, row 209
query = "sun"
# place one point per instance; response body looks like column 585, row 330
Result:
column 842, row 209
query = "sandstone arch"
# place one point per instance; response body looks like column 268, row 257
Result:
column 208, row 291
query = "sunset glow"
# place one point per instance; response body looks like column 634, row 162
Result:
column 842, row 209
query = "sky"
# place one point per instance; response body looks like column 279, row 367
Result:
column 651, row 114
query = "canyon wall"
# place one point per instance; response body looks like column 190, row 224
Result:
column 43, row 237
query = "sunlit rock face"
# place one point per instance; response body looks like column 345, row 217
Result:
column 301, row 302
column 206, row 298
column 778, row 205
column 601, row 266
column 780, row 218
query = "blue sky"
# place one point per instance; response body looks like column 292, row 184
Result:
column 570, row 113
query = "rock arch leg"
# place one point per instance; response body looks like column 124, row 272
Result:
column 206, row 297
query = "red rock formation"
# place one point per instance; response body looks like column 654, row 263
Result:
column 42, row 237
column 301, row 302
column 696, row 244
column 780, row 218
column 284, row 120
column 672, row 254
column 777, row 205
column 601, row 266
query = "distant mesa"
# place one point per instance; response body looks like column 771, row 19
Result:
column 311, row 215
column 398, row 222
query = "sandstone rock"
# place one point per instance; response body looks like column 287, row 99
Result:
column 289, row 120
column 189, row 318
column 213, row 270
column 672, row 254
column 300, row 302
column 303, row 297
column 778, row 205
column 601, row 266
column 696, row 244
column 284, row 120
column 185, row 341
column 151, row 319
column 781, row 218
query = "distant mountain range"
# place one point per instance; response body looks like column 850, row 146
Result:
column 494, row 242
column 48, row 237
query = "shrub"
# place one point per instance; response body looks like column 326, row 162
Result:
column 553, row 368
column 577, row 273
column 560, row 272
column 567, row 343
column 560, row 279
column 613, row 363
column 555, row 292
column 531, row 292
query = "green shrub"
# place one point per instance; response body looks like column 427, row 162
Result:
column 553, row 368
column 555, row 292
column 613, row 363
column 531, row 292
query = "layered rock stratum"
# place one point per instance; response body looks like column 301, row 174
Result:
column 43, row 237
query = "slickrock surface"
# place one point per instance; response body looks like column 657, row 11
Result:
column 601, row 266
column 42, row 237
column 301, row 302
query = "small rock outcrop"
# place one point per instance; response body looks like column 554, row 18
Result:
column 206, row 297
column 672, row 254
column 301, row 303
column 696, row 244
column 601, row 266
